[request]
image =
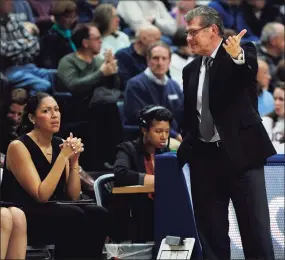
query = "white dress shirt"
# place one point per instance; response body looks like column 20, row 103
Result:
column 216, row 136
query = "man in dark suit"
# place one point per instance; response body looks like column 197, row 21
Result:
column 224, row 141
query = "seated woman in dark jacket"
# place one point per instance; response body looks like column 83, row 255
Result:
column 57, row 42
column 134, row 165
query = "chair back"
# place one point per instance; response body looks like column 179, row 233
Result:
column 103, row 188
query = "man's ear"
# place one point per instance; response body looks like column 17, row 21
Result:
column 215, row 29
column 84, row 43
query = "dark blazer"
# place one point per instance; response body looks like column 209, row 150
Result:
column 233, row 104
column 129, row 163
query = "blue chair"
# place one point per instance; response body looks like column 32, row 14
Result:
column 130, row 132
column 173, row 208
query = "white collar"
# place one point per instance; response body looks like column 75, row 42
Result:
column 153, row 78
column 214, row 53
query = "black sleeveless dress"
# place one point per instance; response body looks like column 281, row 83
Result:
column 68, row 227
column 11, row 190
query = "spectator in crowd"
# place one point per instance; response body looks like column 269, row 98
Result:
column 265, row 98
column 280, row 71
column 274, row 122
column 42, row 12
column 136, row 13
column 154, row 87
column 271, row 47
column 40, row 168
column 135, row 166
column 22, row 10
column 181, row 9
column 85, row 10
column 180, row 57
column 232, row 16
column 132, row 60
column 12, row 112
column 57, row 43
column 258, row 13
column 95, row 82
column 13, row 238
column 18, row 49
column 106, row 20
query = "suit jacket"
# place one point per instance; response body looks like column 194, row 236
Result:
column 233, row 105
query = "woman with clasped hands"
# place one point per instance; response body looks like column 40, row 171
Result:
column 42, row 169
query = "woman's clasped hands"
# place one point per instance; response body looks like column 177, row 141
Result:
column 72, row 147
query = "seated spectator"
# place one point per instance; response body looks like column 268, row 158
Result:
column 274, row 122
column 57, row 43
column 94, row 84
column 271, row 47
column 42, row 12
column 41, row 169
column 132, row 60
column 135, row 166
column 22, row 10
column 180, row 57
column 181, row 9
column 137, row 13
column 85, row 10
column 154, row 87
column 232, row 16
column 11, row 117
column 258, row 13
column 265, row 98
column 106, row 20
column 13, row 238
column 18, row 49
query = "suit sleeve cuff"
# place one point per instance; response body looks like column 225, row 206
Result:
column 240, row 59
column 141, row 178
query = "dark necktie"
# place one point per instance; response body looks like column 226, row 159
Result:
column 206, row 125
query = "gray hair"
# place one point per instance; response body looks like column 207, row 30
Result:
column 156, row 44
column 269, row 31
column 208, row 16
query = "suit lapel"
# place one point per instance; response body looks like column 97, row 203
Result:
column 194, row 81
column 215, row 66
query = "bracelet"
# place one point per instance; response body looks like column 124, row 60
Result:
column 76, row 168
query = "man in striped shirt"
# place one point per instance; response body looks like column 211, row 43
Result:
column 19, row 46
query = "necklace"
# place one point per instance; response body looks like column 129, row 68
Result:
column 48, row 151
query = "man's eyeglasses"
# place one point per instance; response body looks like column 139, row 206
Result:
column 194, row 32
column 95, row 38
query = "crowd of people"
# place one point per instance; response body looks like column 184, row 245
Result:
column 75, row 61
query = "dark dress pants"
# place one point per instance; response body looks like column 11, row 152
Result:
column 78, row 231
column 214, row 181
